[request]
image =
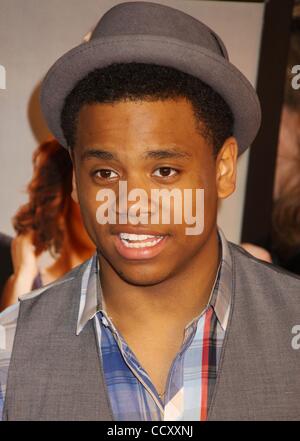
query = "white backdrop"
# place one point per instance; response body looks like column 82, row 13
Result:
column 34, row 33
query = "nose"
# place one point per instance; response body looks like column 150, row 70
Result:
column 133, row 199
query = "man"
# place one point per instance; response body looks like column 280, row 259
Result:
column 166, row 322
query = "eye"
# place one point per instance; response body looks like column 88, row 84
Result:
column 105, row 174
column 165, row 172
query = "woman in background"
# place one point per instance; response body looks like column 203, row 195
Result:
column 286, row 206
column 284, row 249
column 50, row 221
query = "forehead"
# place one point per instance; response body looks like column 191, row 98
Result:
column 132, row 127
column 138, row 116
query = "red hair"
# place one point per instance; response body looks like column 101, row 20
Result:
column 49, row 194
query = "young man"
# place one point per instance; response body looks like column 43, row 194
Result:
column 164, row 323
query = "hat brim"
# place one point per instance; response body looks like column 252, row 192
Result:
column 212, row 69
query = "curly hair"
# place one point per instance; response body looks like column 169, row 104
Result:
column 49, row 194
column 139, row 81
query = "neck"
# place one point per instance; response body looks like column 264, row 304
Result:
column 177, row 299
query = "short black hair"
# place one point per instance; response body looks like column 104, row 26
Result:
column 139, row 81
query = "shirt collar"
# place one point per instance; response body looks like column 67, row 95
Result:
column 91, row 294
column 92, row 301
column 221, row 296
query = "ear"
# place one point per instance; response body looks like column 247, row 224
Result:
column 226, row 165
column 74, row 193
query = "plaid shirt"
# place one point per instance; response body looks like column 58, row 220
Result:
column 132, row 395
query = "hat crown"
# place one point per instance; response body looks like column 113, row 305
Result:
column 150, row 33
column 133, row 18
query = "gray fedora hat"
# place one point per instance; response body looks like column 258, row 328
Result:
column 145, row 32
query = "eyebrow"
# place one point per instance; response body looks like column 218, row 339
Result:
column 168, row 153
column 150, row 154
column 98, row 154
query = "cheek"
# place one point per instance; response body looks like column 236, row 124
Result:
column 199, row 217
column 205, row 179
column 88, row 206
column 210, row 202
column 87, row 198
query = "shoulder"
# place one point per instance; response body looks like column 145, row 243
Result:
column 8, row 323
column 262, row 273
column 57, row 289
column 59, row 285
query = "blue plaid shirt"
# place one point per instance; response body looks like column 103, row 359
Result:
column 130, row 390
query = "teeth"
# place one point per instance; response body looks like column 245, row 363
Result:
column 128, row 236
column 141, row 245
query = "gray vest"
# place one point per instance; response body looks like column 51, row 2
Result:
column 56, row 375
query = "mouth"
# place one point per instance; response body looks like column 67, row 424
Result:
column 139, row 240
column 139, row 246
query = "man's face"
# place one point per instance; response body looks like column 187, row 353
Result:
column 150, row 145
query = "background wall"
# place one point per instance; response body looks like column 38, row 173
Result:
column 34, row 33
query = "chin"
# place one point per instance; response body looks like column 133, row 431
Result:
column 144, row 272
column 142, row 277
